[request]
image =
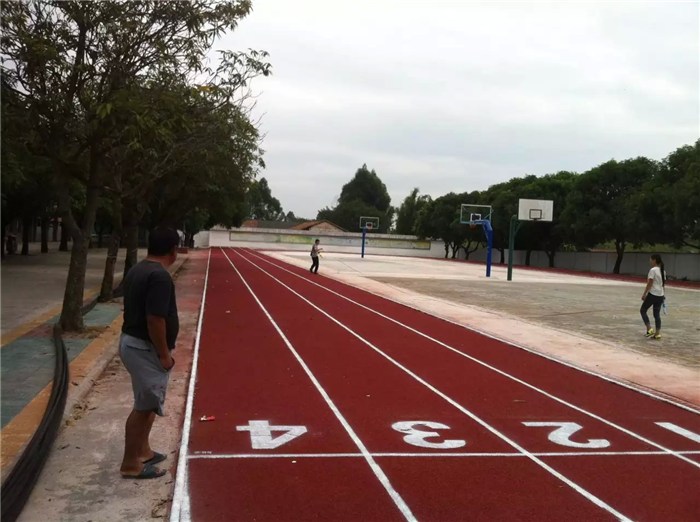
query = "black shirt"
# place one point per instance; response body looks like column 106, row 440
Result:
column 149, row 290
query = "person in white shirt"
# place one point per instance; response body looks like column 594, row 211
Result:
column 654, row 296
column 315, row 251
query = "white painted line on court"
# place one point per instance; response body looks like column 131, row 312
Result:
column 510, row 342
column 378, row 472
column 223, row 456
column 180, row 511
column 493, row 368
column 585, row 493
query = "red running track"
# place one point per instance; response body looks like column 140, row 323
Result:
column 331, row 403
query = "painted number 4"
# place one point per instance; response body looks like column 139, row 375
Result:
column 261, row 434
column 564, row 431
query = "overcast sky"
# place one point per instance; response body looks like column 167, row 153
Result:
column 457, row 96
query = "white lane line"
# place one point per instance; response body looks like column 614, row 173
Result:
column 501, row 372
column 509, row 342
column 205, row 456
column 180, row 511
column 680, row 431
column 378, row 472
column 587, row 494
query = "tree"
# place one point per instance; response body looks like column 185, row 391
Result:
column 261, row 204
column 602, row 204
column 441, row 219
column 546, row 236
column 407, row 213
column 70, row 61
column 503, row 198
column 364, row 195
column 669, row 203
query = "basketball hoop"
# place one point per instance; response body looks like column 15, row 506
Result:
column 472, row 225
column 369, row 225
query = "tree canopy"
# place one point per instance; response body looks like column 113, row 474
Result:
column 364, row 195
column 109, row 120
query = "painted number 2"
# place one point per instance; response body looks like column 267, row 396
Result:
column 562, row 435
column 261, row 434
column 416, row 436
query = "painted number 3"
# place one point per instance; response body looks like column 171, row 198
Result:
column 417, row 437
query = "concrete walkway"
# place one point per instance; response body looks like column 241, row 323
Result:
column 81, row 480
column 32, row 295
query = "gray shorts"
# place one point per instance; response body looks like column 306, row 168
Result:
column 149, row 379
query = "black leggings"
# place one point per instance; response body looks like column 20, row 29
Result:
column 314, row 265
column 656, row 301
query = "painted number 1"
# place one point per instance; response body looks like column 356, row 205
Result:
column 416, row 436
column 261, row 434
column 563, row 433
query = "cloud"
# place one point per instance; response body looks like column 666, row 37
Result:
column 452, row 96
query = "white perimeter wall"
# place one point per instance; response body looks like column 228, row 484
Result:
column 679, row 266
column 301, row 240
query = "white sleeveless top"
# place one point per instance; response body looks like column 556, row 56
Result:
column 657, row 287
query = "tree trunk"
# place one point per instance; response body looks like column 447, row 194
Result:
column 550, row 255
column 71, row 314
column 620, row 249
column 503, row 255
column 44, row 234
column 54, row 230
column 528, row 255
column 447, row 249
column 132, row 246
column 63, row 247
column 33, row 230
column 107, row 290
column 26, row 230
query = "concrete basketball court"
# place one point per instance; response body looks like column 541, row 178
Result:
column 590, row 322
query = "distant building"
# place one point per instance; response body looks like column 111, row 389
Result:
column 321, row 225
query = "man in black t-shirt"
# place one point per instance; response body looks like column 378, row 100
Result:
column 148, row 336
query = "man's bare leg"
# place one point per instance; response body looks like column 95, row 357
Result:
column 146, row 453
column 138, row 427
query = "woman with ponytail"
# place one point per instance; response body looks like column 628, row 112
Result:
column 654, row 296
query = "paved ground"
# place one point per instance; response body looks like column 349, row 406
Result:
column 81, row 480
column 33, row 285
column 32, row 293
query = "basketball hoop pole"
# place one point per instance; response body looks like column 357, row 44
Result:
column 364, row 235
column 488, row 230
column 514, row 227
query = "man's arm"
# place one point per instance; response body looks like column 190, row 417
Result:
column 156, row 332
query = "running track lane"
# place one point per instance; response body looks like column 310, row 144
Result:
column 545, row 374
column 483, row 486
column 246, row 373
column 660, row 482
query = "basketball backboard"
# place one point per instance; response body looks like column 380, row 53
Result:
column 470, row 214
column 369, row 223
column 535, row 210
